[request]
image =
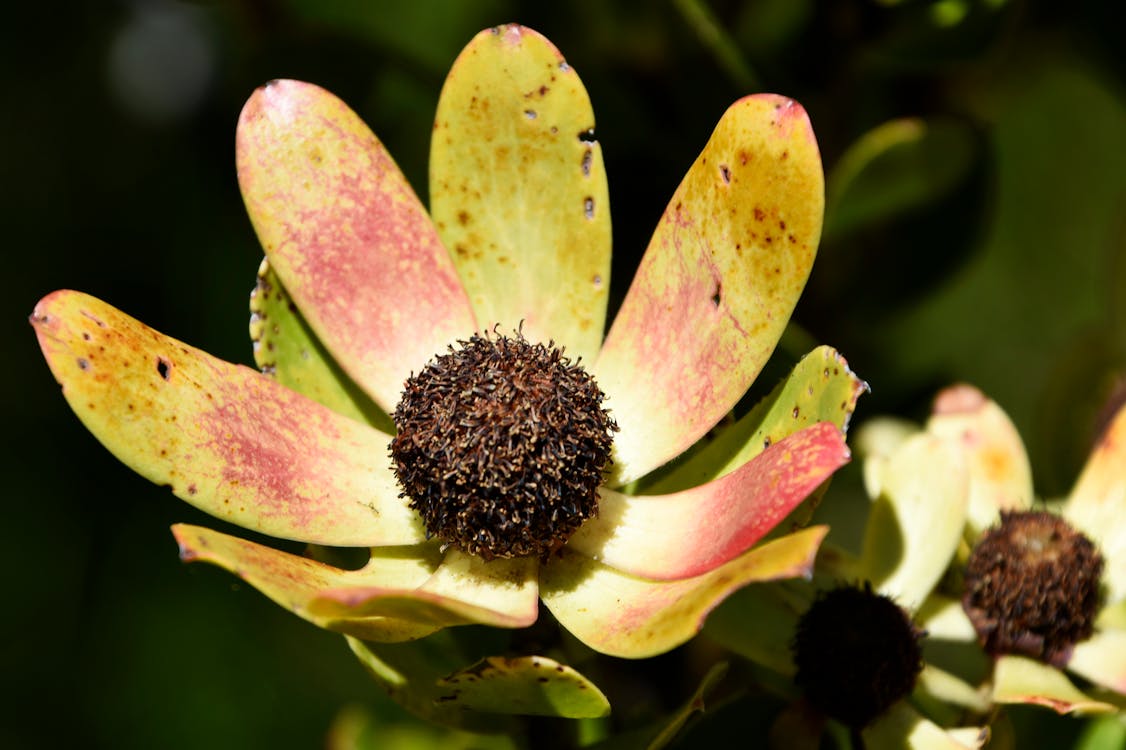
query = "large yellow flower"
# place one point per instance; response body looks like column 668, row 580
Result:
column 362, row 288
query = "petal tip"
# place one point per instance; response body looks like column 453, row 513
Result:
column 959, row 399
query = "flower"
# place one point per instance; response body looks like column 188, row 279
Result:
column 849, row 646
column 362, row 289
column 1028, row 666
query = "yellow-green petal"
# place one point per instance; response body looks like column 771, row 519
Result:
column 904, row 728
column 688, row 533
column 1017, row 679
column 1097, row 504
column 526, row 685
column 820, row 388
column 518, row 190
column 916, row 523
column 347, row 236
column 722, row 273
column 1000, row 475
column 630, row 617
column 401, row 594
column 1102, row 659
column 223, row 437
column 463, row 589
column 287, row 350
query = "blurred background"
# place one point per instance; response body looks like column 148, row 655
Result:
column 976, row 231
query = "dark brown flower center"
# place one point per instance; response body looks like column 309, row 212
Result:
column 501, row 446
column 856, row 653
column 1032, row 586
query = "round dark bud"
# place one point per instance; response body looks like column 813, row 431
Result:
column 501, row 446
column 856, row 653
column 1032, row 587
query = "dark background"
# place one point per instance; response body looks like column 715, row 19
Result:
column 993, row 252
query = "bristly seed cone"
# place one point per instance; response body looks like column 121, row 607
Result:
column 857, row 653
column 501, row 446
column 1032, row 587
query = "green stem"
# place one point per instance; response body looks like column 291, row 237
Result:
column 722, row 46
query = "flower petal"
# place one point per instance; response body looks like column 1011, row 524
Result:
column 347, row 236
column 294, row 582
column 1096, row 503
column 904, row 727
column 944, row 620
column 525, row 685
column 716, row 287
column 686, row 534
column 821, row 388
column 223, row 437
column 518, row 190
column 1017, row 679
column 401, row 594
column 1102, row 659
column 287, row 350
column 409, row 673
column 462, row 590
column 1000, row 476
column 916, row 523
column 630, row 617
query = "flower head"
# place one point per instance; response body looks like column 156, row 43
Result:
column 501, row 486
column 1045, row 587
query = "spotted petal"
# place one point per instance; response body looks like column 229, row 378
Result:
column 1000, row 476
column 688, row 533
column 401, row 594
column 518, row 190
column 223, row 437
column 622, row 615
column 718, row 282
column 349, row 239
column 1017, row 679
column 1096, row 503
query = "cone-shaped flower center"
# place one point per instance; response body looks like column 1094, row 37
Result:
column 501, row 446
column 1032, row 586
column 856, row 653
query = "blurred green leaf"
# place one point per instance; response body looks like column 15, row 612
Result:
column 428, row 33
column 895, row 168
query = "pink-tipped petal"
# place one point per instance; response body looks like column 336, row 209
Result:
column 401, row 594
column 688, row 533
column 1102, row 660
column 518, row 190
column 223, row 437
column 348, row 237
column 622, row 615
column 1017, row 679
column 1097, row 504
column 1000, row 476
column 718, row 282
